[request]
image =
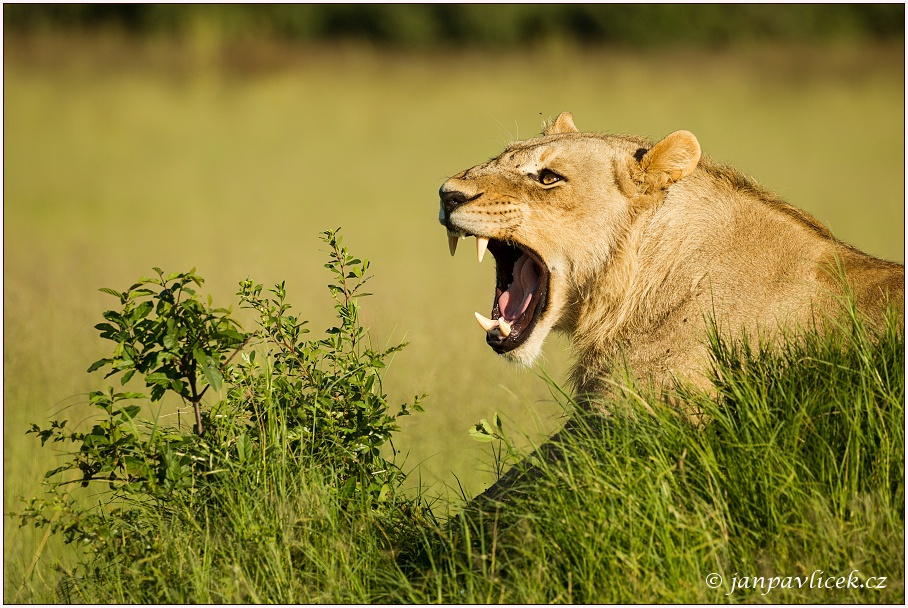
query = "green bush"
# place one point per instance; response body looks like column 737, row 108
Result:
column 285, row 406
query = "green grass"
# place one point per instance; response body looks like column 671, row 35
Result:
column 235, row 169
column 797, row 467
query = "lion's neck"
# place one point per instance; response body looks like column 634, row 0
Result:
column 603, row 308
column 623, row 313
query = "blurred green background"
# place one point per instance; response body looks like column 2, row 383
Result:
column 228, row 137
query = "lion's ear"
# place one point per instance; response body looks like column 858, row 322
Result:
column 671, row 159
column 563, row 124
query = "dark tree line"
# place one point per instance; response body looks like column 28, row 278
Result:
column 502, row 25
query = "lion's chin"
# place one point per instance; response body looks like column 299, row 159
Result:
column 527, row 353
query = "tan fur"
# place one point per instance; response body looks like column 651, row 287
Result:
column 645, row 241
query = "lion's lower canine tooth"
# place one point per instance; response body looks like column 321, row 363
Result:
column 505, row 327
column 452, row 244
column 486, row 324
column 481, row 244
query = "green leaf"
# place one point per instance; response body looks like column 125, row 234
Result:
column 209, row 368
column 98, row 396
column 116, row 317
column 134, row 293
column 179, row 387
column 170, row 340
column 243, row 448
column 53, row 472
column 231, row 334
column 124, row 363
column 141, row 311
column 128, row 395
column 158, row 378
column 97, row 437
column 112, row 292
column 497, row 422
column 481, row 431
column 131, row 411
column 348, row 488
column 383, row 493
column 99, row 364
column 106, row 329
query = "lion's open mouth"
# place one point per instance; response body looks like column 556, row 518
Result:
column 521, row 285
column 521, row 289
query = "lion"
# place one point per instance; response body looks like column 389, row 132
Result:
column 633, row 248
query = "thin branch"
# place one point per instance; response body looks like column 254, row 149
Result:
column 199, row 429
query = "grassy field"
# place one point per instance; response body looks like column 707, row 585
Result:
column 119, row 157
column 793, row 492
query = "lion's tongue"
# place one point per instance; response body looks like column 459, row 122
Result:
column 514, row 302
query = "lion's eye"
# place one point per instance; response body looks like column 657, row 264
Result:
column 547, row 177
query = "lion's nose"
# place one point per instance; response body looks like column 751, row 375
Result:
column 452, row 199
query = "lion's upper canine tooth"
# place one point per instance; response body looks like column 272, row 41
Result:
column 504, row 327
column 481, row 244
column 487, row 324
column 452, row 244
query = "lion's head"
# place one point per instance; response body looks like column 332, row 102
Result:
column 553, row 211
